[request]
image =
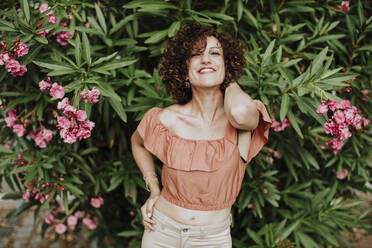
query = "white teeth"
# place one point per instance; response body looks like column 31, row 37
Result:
column 206, row 70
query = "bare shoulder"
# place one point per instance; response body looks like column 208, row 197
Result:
column 169, row 115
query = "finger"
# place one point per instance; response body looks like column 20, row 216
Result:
column 149, row 227
column 148, row 220
column 149, row 208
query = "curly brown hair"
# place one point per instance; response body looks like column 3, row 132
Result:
column 191, row 36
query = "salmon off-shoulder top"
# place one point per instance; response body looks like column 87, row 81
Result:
column 201, row 174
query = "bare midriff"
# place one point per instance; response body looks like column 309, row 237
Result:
column 191, row 216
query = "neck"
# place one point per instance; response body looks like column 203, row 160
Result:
column 206, row 103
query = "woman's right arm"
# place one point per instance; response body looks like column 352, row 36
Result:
column 145, row 163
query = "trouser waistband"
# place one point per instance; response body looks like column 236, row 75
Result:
column 164, row 221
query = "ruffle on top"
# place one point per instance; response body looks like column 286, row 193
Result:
column 184, row 154
column 202, row 155
column 261, row 133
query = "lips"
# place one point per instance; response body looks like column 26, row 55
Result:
column 206, row 70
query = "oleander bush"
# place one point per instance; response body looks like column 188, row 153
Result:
column 77, row 76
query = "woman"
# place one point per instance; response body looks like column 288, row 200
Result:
column 198, row 142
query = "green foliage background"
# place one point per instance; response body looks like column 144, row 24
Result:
column 298, row 52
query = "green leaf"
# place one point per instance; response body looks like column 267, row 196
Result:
column 157, row 36
column 102, row 59
column 119, row 109
column 65, row 202
column 114, row 183
column 284, row 106
column 318, row 61
column 53, row 66
column 288, row 230
column 268, row 52
column 150, row 4
column 240, row 9
column 251, row 19
column 78, row 50
column 256, row 238
column 25, row 9
column 306, row 240
column 120, row 24
column 86, row 49
column 74, row 190
column 293, row 119
column 114, row 65
column 41, row 39
column 101, row 18
column 61, row 72
column 12, row 196
column 130, row 233
column 3, row 149
column 34, row 52
column 106, row 90
column 174, row 28
column 20, row 100
column 362, row 19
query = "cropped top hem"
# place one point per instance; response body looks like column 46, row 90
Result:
column 195, row 206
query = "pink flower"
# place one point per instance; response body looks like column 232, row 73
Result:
column 343, row 174
column 10, row 120
column 15, row 68
column 26, row 196
column 47, row 134
column 96, row 202
column 345, row 133
column 251, row 206
column 332, row 105
column 270, row 159
column 49, row 219
column 19, row 130
column 44, row 85
column 60, row 228
column 52, row 19
column 322, row 109
column 336, row 145
column 63, row 122
column 7, row 146
column 89, row 223
column 72, row 221
column 57, row 91
column 93, row 95
column 78, row 214
column 84, row 95
column 344, row 104
column 40, row 142
column 276, row 154
column 365, row 121
column 41, row 137
column 69, row 111
column 4, row 57
column 339, row 117
column 43, row 7
column 63, row 104
column 62, row 37
column 21, row 49
column 344, row 6
column 22, row 70
column 364, row 92
column 81, row 115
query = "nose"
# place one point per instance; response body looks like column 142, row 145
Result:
column 205, row 59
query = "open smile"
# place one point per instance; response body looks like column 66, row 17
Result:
column 206, row 70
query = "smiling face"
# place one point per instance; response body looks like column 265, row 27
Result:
column 207, row 68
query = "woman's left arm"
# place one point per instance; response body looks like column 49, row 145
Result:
column 240, row 108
